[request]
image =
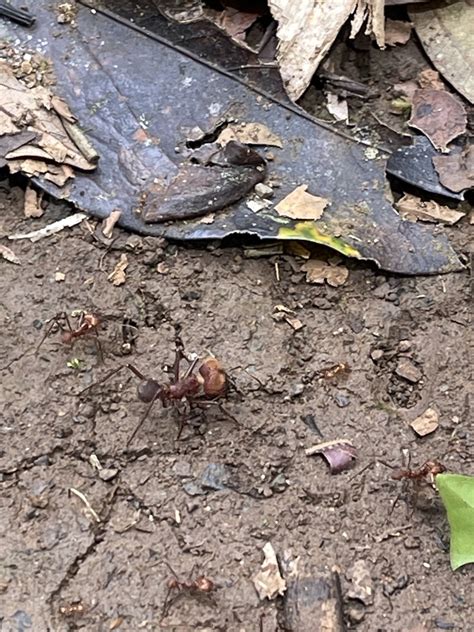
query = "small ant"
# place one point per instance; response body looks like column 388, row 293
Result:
column 88, row 325
column 334, row 371
column 199, row 586
column 204, row 382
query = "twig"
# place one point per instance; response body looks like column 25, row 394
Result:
column 82, row 497
column 51, row 229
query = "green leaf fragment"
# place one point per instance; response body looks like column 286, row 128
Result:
column 307, row 231
column 457, row 494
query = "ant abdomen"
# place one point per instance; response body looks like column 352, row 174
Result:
column 147, row 390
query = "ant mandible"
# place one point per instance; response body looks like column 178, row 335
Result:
column 88, row 325
column 202, row 384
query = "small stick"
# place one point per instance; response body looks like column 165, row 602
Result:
column 82, row 497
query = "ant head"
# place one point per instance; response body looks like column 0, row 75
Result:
column 148, row 390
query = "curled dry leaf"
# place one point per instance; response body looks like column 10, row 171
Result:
column 235, row 23
column 32, row 203
column 9, row 255
column 249, row 134
column 339, row 453
column 413, row 208
column 426, row 423
column 299, row 204
column 117, row 276
column 268, row 581
column 397, row 32
column 430, row 78
column 456, row 171
column 109, row 223
column 320, row 271
column 439, row 115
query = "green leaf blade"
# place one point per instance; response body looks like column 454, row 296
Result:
column 457, row 494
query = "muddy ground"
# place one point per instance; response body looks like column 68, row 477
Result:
column 208, row 503
column 54, row 552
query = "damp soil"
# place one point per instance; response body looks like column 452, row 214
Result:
column 207, row 503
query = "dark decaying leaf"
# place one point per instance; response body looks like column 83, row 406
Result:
column 339, row 453
column 456, row 171
column 439, row 115
column 141, row 134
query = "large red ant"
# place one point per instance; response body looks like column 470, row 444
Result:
column 199, row 586
column 204, row 382
column 429, row 468
column 88, row 325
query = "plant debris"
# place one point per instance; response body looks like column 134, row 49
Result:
column 32, row 203
column 426, row 423
column 337, row 106
column 299, row 204
column 439, row 115
column 339, row 453
column 320, row 271
column 109, row 223
column 397, row 32
column 456, row 171
column 249, row 134
column 361, row 583
column 117, row 276
column 9, row 255
column 268, row 581
column 413, row 208
column 51, row 229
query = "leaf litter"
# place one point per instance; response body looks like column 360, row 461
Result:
column 320, row 271
column 299, row 204
column 413, row 208
column 117, row 276
column 340, row 454
column 268, row 581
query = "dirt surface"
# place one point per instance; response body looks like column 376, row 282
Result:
column 54, row 553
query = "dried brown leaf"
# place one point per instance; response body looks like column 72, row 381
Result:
column 337, row 107
column 439, row 115
column 235, row 23
column 268, row 581
column 109, row 223
column 397, row 32
column 117, row 276
column 249, row 134
column 430, row 78
column 32, row 203
column 456, row 171
column 299, row 204
column 62, row 108
column 320, row 271
column 413, row 208
column 9, row 255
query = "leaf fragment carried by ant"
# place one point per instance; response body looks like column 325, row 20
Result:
column 299, row 204
column 320, row 272
column 457, row 494
column 339, row 453
column 9, row 255
column 249, row 134
column 268, row 581
column 109, row 223
column 117, row 276
column 426, row 423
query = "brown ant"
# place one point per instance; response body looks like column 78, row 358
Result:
column 88, row 325
column 429, row 468
column 201, row 585
column 204, row 382
column 335, row 371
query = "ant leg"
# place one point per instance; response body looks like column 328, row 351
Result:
column 167, row 603
column 140, row 423
column 98, row 347
column 110, row 374
column 68, row 323
column 52, row 322
column 212, row 402
column 179, row 355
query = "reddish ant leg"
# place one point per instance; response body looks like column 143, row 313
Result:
column 54, row 321
column 142, row 420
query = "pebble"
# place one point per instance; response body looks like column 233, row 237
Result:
column 42, row 460
column 215, row 476
column 376, row 354
column 191, row 295
column 108, row 473
column 404, row 346
column 263, row 190
column 411, row 542
column 182, row 469
column 193, row 489
column 321, row 303
column 408, row 371
column 342, row 400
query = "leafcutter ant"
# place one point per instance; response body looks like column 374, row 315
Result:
column 426, row 473
column 87, row 326
column 201, row 585
column 202, row 384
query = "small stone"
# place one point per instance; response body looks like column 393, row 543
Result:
column 59, row 277
column 404, row 346
column 342, row 400
column 42, row 460
column 193, row 489
column 79, row 419
column 263, row 190
column 182, row 469
column 376, row 355
column 108, row 473
column 296, row 390
column 191, row 295
column 426, row 423
column 192, row 505
column 321, row 303
column 408, row 371
column 38, row 324
column 411, row 542
column 355, row 612
column 215, row 476
column 88, row 410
